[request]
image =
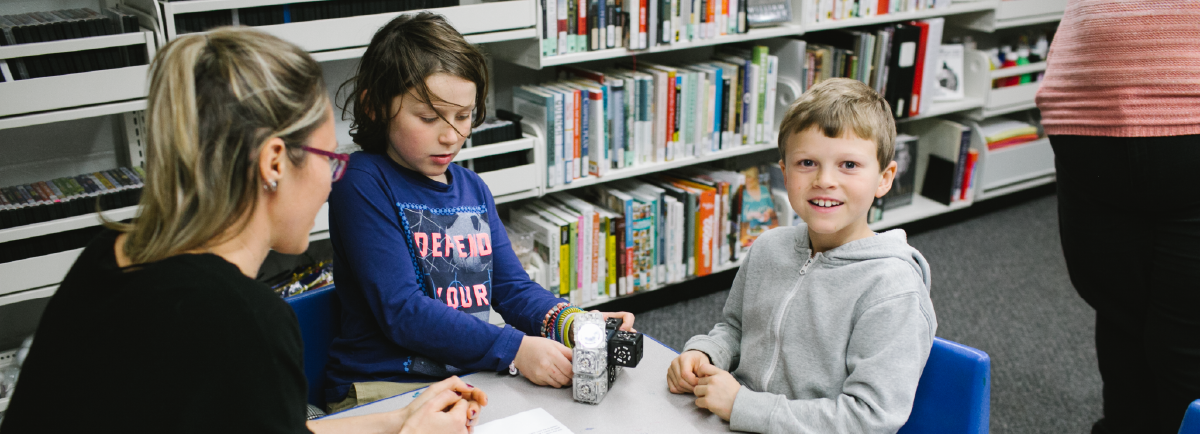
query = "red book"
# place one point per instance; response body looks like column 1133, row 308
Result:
column 645, row 16
column 579, row 169
column 882, row 9
column 583, row 22
column 670, row 110
column 918, row 76
column 972, row 157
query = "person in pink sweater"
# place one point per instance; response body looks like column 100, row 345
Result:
column 1121, row 104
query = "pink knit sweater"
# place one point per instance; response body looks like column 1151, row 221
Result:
column 1124, row 68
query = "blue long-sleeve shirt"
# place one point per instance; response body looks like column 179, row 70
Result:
column 417, row 263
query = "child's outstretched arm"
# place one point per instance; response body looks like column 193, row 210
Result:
column 885, row 357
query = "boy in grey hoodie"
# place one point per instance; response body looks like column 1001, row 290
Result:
column 828, row 325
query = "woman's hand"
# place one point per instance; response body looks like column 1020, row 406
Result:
column 544, row 362
column 626, row 318
column 475, row 398
column 682, row 374
column 443, row 411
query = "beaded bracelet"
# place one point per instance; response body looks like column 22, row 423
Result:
column 547, row 332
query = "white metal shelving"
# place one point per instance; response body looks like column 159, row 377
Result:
column 46, row 94
column 920, row 208
column 954, row 9
column 64, row 224
column 346, row 38
column 648, row 168
column 715, row 269
column 1013, row 13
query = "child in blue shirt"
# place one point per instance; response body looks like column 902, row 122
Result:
column 419, row 252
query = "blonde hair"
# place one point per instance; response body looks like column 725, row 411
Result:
column 840, row 105
column 215, row 99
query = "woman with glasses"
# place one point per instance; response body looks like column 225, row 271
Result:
column 159, row 325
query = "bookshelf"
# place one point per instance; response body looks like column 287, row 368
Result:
column 511, row 30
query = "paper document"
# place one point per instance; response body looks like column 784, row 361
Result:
column 535, row 421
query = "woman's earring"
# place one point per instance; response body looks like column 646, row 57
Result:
column 271, row 186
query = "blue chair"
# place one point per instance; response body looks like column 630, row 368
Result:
column 1191, row 419
column 318, row 312
column 954, row 394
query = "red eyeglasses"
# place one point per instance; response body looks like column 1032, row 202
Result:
column 337, row 162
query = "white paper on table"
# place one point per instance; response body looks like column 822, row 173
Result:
column 535, row 421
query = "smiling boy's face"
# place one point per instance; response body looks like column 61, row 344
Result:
column 831, row 183
column 421, row 141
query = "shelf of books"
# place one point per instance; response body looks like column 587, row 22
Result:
column 344, row 27
column 40, row 77
column 819, row 20
column 534, row 60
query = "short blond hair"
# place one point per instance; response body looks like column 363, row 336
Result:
column 838, row 106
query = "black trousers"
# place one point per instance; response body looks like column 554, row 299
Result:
column 1129, row 218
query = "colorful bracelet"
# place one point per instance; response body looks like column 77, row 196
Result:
column 547, row 332
column 561, row 326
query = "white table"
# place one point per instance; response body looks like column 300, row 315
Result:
column 638, row 402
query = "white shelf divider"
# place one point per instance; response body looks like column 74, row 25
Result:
column 64, row 224
column 91, row 111
column 954, row 9
column 947, row 107
column 644, row 169
column 920, row 208
column 47, row 94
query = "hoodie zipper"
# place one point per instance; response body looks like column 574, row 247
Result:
column 779, row 321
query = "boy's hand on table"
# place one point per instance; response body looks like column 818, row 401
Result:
column 716, row 390
column 682, row 375
column 626, row 318
column 544, row 362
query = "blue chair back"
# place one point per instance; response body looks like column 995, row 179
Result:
column 1191, row 419
column 318, row 312
column 954, row 394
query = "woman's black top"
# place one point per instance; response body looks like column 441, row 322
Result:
column 186, row 344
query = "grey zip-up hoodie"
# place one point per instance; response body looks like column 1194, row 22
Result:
column 827, row 343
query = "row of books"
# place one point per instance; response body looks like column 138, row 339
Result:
column 299, row 12
column 949, row 173
column 636, row 235
column 69, row 196
column 66, row 24
column 892, row 59
column 645, row 113
column 575, row 26
column 819, row 11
